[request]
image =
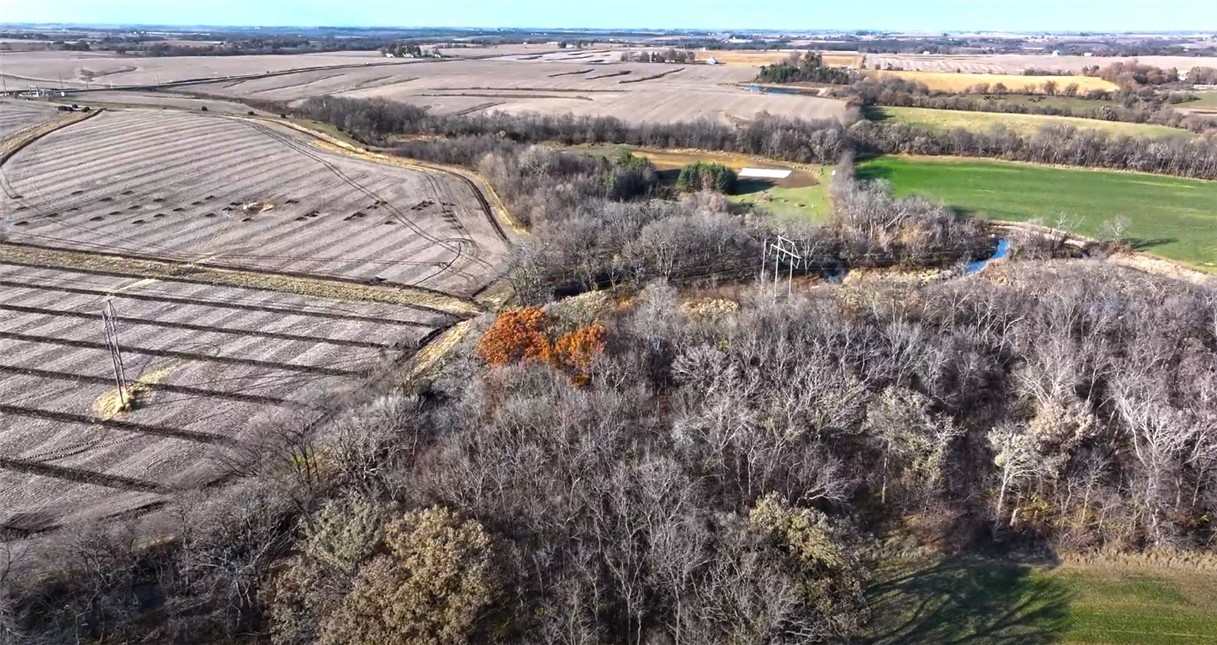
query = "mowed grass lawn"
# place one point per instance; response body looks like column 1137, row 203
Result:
column 804, row 196
column 946, row 120
column 1169, row 216
column 1207, row 99
column 802, row 202
column 1205, row 103
column 972, row 600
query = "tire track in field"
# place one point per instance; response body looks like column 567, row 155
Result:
column 305, row 150
column 449, row 267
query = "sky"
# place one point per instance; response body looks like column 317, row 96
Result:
column 904, row 15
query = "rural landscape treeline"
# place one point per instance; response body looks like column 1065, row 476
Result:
column 531, row 381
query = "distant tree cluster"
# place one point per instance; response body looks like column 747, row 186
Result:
column 1202, row 76
column 807, row 68
column 600, row 243
column 1133, row 75
column 675, row 56
column 403, row 50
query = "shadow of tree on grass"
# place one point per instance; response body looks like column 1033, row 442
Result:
column 967, row 601
column 1140, row 244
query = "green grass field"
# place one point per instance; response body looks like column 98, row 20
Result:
column 1206, row 99
column 945, row 120
column 803, row 196
column 1169, row 216
column 327, row 128
column 1071, row 102
column 984, row 601
column 794, row 203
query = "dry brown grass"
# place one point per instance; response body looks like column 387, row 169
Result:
column 114, row 403
column 432, row 353
column 758, row 58
column 951, row 82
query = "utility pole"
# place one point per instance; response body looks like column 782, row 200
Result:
column 108, row 322
column 788, row 250
column 764, row 253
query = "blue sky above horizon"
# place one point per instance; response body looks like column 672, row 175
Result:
column 907, row 15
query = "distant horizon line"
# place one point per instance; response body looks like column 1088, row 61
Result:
column 186, row 26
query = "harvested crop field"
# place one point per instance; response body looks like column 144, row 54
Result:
column 581, row 82
column 946, row 120
column 951, row 82
column 256, row 278
column 214, row 191
column 636, row 92
column 105, row 69
column 18, row 115
column 1018, row 63
column 209, row 364
column 754, row 58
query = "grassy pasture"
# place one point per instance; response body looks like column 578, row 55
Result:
column 803, row 195
column 1205, row 103
column 1058, row 101
column 1171, row 217
column 1206, row 99
column 984, row 601
column 951, row 82
column 945, row 120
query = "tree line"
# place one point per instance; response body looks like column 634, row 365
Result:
column 1140, row 106
column 823, row 141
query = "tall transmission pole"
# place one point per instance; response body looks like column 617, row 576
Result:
column 784, row 249
column 108, row 321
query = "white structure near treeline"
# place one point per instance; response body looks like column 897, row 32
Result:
column 764, row 173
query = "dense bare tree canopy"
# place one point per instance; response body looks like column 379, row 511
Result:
column 712, row 475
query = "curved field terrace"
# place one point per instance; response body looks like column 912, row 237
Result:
column 231, row 192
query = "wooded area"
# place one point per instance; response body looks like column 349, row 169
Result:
column 787, row 139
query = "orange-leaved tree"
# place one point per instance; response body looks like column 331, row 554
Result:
column 528, row 335
column 576, row 349
column 516, row 335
